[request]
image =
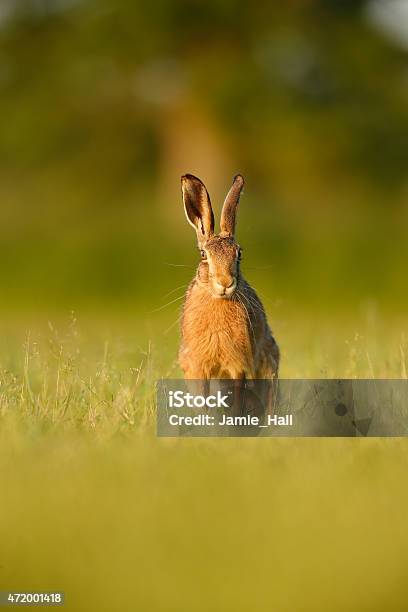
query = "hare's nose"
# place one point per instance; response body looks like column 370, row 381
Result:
column 224, row 283
column 225, row 286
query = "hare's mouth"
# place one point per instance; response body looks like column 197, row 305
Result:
column 222, row 292
column 225, row 296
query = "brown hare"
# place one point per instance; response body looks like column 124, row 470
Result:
column 225, row 333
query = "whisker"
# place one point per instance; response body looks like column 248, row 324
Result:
column 168, row 303
column 250, row 324
column 239, row 296
column 174, row 290
column 269, row 301
column 252, row 302
column 256, row 304
column 177, row 265
column 177, row 321
column 257, row 307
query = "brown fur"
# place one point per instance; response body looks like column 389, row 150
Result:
column 224, row 335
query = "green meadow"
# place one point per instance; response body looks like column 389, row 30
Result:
column 95, row 505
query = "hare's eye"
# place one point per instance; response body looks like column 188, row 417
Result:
column 239, row 254
column 203, row 254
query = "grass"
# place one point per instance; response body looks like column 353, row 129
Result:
column 92, row 503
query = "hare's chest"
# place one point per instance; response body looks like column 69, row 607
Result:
column 218, row 334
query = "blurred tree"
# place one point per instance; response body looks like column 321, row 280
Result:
column 104, row 103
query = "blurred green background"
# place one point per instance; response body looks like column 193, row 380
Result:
column 105, row 103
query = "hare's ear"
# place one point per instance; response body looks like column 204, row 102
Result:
column 229, row 210
column 197, row 206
